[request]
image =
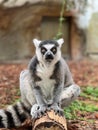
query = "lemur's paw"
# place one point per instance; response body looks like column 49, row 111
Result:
column 38, row 111
column 57, row 110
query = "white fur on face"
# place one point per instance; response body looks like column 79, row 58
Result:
column 37, row 42
column 41, row 58
column 39, row 55
column 48, row 46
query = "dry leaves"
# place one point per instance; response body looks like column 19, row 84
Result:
column 85, row 73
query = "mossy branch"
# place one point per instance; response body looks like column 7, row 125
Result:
column 61, row 19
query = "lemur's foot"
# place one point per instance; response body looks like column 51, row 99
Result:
column 38, row 111
column 57, row 109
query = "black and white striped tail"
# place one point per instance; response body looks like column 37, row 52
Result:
column 14, row 115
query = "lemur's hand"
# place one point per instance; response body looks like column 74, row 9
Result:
column 56, row 109
column 38, row 110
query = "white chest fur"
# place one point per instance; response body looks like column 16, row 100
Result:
column 46, row 84
column 44, row 71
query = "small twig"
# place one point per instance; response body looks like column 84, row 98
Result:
column 61, row 19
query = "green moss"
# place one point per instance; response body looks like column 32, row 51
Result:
column 82, row 106
column 90, row 93
column 76, row 106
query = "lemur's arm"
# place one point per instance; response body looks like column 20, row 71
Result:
column 58, row 88
column 68, row 76
column 39, row 95
column 56, row 98
column 57, row 92
column 34, row 79
column 38, row 109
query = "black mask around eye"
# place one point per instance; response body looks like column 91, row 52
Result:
column 54, row 50
column 43, row 50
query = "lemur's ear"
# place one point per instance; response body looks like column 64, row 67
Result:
column 60, row 41
column 36, row 42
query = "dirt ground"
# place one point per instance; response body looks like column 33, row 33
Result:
column 85, row 73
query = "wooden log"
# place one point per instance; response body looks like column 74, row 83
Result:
column 50, row 121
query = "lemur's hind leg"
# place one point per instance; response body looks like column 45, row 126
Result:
column 27, row 94
column 69, row 94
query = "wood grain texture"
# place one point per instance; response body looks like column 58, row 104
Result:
column 50, row 121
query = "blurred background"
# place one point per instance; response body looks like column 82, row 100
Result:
column 23, row 20
column 74, row 20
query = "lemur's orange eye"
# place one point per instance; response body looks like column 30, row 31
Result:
column 43, row 50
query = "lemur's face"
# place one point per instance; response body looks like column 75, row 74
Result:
column 48, row 50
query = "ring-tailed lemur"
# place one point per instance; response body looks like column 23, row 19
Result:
column 45, row 85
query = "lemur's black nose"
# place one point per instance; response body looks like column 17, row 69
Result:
column 49, row 56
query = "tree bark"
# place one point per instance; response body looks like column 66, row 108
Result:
column 50, row 121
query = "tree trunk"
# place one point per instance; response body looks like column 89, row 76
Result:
column 50, row 121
